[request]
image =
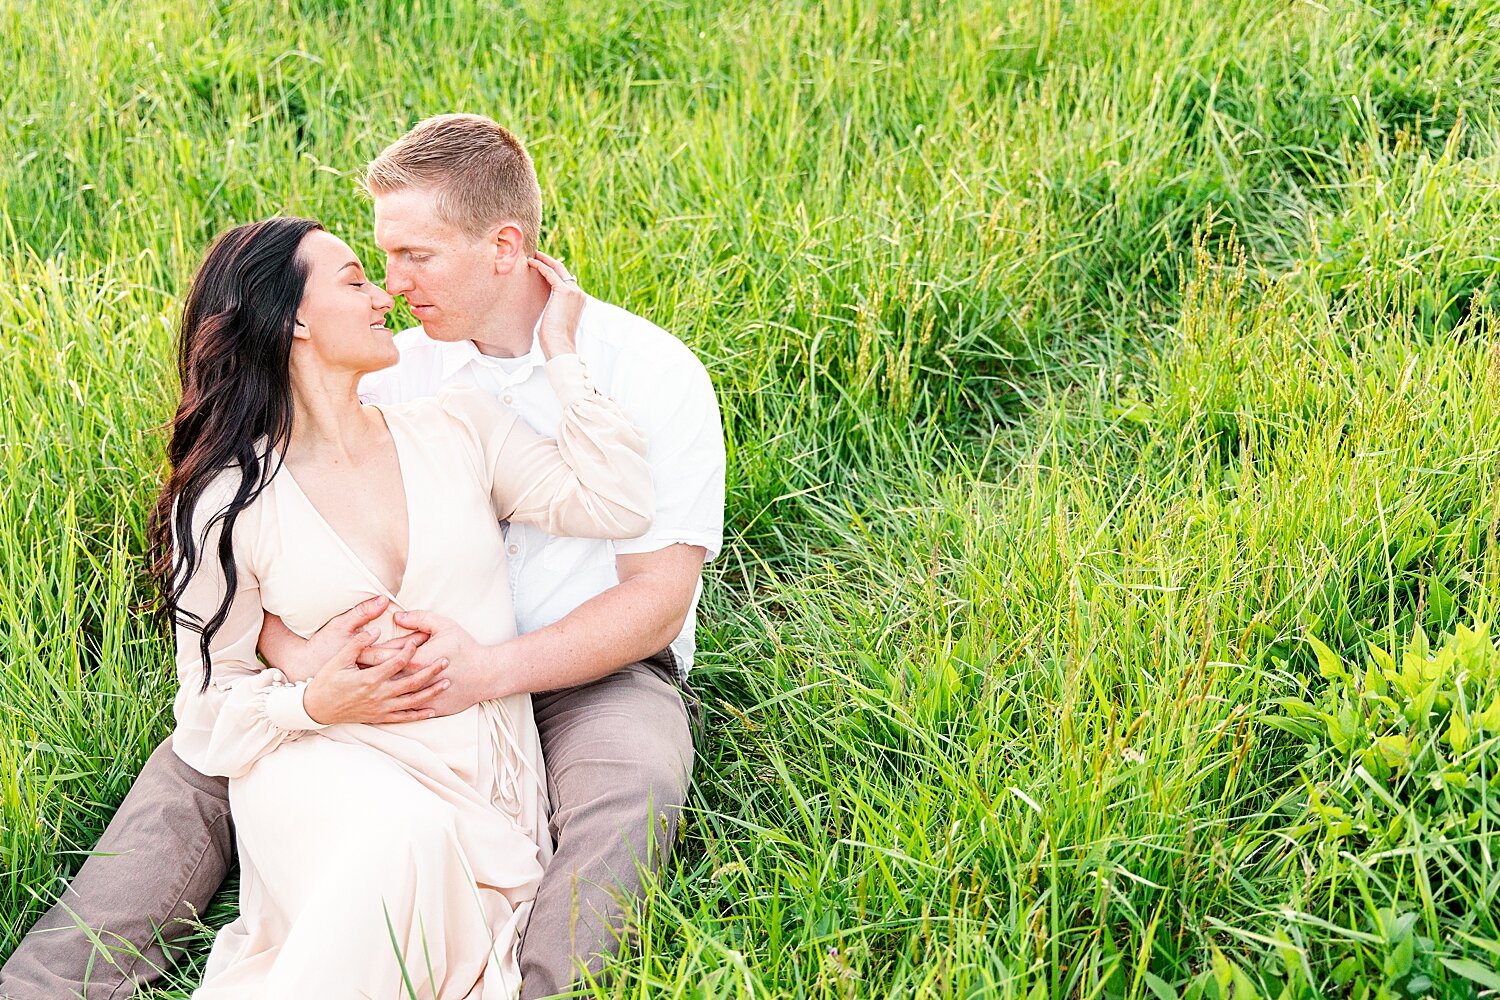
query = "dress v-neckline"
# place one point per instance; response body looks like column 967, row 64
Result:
column 354, row 557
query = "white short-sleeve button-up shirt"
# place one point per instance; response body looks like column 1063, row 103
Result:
column 665, row 391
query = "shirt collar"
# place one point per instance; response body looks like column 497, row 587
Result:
column 458, row 355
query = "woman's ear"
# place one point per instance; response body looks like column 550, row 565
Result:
column 300, row 330
column 510, row 248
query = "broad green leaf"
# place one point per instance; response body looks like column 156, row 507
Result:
column 1158, row 986
column 1440, row 602
column 1473, row 971
column 1421, row 707
column 1329, row 664
column 1345, row 970
column 1398, row 960
column 1394, row 750
column 1458, row 731
column 1382, row 657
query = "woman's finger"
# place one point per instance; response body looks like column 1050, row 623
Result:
column 395, row 643
column 419, row 679
column 553, row 278
column 414, row 715
column 372, row 656
column 349, row 651
column 397, row 662
column 376, row 654
column 420, row 699
column 360, row 615
column 561, row 283
column 421, row 621
column 557, row 266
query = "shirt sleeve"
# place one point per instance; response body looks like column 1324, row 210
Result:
column 248, row 709
column 591, row 481
column 680, row 416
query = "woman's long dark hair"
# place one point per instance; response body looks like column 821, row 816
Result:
column 233, row 361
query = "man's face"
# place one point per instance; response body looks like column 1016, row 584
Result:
column 449, row 278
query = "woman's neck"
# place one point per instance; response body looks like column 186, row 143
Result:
column 328, row 422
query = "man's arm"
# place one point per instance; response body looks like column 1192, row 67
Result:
column 636, row 618
column 630, row 621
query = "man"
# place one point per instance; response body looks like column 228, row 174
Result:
column 607, row 628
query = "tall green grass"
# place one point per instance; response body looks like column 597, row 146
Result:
column 1079, row 362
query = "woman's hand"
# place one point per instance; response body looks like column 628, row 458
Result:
column 558, row 333
column 300, row 659
column 342, row 691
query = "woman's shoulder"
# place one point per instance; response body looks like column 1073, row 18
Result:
column 222, row 491
column 226, row 483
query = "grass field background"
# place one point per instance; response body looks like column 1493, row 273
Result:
column 1113, row 408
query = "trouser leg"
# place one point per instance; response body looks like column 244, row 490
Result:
column 619, row 754
column 158, row 864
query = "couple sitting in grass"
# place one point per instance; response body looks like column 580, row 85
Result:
column 424, row 802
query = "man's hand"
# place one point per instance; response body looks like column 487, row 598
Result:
column 469, row 670
column 301, row 658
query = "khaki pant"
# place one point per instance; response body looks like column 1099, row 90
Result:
column 619, row 753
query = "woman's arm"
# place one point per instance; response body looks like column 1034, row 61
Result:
column 247, row 710
column 593, row 480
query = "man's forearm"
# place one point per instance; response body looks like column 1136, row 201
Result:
column 624, row 624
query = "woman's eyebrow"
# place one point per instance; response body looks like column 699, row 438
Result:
column 352, row 263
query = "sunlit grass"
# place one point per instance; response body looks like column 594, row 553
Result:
column 1078, row 362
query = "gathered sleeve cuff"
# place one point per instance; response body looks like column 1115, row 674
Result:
column 591, row 481
column 229, row 727
column 284, row 705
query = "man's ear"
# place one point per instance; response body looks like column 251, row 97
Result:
column 510, row 248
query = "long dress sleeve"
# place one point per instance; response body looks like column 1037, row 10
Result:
column 248, row 709
column 591, row 481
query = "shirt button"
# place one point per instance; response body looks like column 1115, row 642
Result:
column 508, row 398
column 515, row 550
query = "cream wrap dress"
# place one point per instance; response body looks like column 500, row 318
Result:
column 392, row 860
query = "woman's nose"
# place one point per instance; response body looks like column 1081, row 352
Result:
column 384, row 303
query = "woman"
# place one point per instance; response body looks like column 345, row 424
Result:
column 384, row 852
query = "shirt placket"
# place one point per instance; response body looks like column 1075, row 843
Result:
column 502, row 386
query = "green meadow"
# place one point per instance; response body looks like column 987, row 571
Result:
column 1112, row 394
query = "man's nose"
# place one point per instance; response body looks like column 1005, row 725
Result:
column 396, row 280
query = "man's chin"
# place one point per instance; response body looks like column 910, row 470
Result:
column 441, row 331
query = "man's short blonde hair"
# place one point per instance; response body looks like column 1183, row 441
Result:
column 480, row 172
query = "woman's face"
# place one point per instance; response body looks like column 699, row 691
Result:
column 341, row 320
